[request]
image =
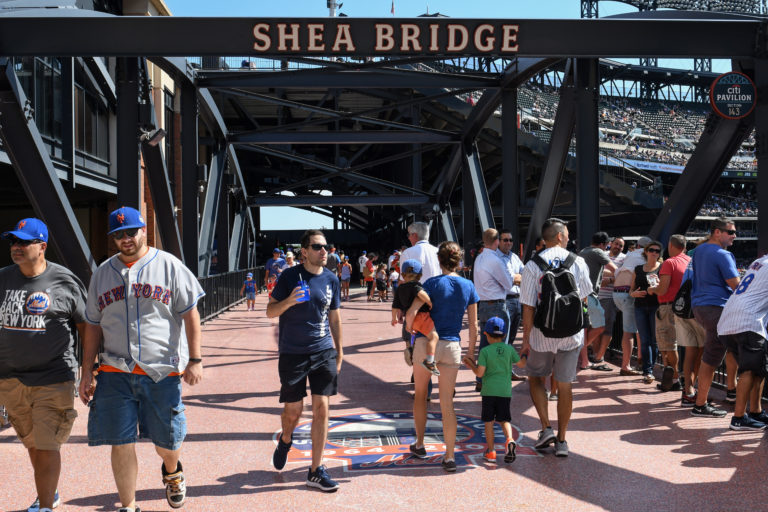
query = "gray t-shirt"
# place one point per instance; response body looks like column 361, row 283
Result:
column 596, row 259
column 37, row 315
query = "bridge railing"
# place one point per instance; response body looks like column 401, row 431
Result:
column 222, row 291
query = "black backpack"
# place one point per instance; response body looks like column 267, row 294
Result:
column 681, row 306
column 560, row 311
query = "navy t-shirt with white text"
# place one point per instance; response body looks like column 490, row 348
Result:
column 304, row 327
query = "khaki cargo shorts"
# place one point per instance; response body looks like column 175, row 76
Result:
column 42, row 416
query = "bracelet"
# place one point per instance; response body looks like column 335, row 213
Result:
column 195, row 360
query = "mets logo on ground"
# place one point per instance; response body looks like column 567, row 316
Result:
column 379, row 441
column 38, row 303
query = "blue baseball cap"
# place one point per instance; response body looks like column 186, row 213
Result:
column 276, row 250
column 29, row 229
column 495, row 326
column 125, row 218
column 365, row 252
column 249, row 274
column 411, row 267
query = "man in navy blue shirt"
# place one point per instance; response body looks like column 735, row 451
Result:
column 714, row 279
column 273, row 264
column 310, row 347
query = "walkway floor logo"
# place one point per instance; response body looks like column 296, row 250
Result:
column 379, row 441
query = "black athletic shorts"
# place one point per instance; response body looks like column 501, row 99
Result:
column 751, row 352
column 295, row 369
column 496, row 408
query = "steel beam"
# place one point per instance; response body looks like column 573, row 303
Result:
column 323, row 78
column 656, row 34
column 333, row 114
column 587, row 139
column 344, row 137
column 338, row 200
column 552, row 174
column 446, row 222
column 719, row 141
column 162, row 199
column 101, row 76
column 234, row 165
column 467, row 210
column 374, row 184
column 210, row 212
column 190, row 195
column 761, row 150
column 160, row 190
column 237, row 239
column 128, row 165
column 510, row 202
column 223, row 229
column 475, row 169
column 68, row 125
column 34, row 169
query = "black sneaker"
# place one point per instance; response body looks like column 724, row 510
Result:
column 546, row 438
column 431, row 366
column 666, row 379
column 761, row 416
column 319, row 478
column 175, row 486
column 510, row 455
column 746, row 422
column 280, row 457
column 688, row 400
column 449, row 466
column 418, row 452
column 127, row 509
column 708, row 411
column 730, row 396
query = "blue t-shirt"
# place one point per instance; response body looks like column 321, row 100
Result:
column 304, row 327
column 274, row 265
column 712, row 266
column 250, row 286
column 450, row 296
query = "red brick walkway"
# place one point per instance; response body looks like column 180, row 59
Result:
column 632, row 448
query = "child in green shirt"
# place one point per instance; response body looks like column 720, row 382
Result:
column 494, row 366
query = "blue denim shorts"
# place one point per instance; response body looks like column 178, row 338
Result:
column 125, row 403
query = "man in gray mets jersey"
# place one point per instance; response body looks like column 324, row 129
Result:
column 144, row 302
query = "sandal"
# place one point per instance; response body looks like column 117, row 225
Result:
column 602, row 367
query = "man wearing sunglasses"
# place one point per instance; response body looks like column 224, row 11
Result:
column 144, row 303
column 310, row 347
column 714, row 278
column 42, row 305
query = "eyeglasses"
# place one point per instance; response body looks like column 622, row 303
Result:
column 657, row 251
column 130, row 233
column 318, row 247
column 505, row 239
column 23, row 243
column 729, row 231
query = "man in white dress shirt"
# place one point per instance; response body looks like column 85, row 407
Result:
column 492, row 282
column 422, row 250
column 555, row 356
column 515, row 269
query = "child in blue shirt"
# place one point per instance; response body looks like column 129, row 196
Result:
column 249, row 288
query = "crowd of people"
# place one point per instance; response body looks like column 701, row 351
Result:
column 641, row 288
column 566, row 305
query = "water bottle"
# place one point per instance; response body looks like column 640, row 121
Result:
column 305, row 289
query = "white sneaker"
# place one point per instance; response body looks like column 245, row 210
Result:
column 561, row 448
column 35, row 507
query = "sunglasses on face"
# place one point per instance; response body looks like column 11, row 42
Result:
column 657, row 251
column 130, row 233
column 318, row 247
column 506, row 239
column 730, row 231
column 23, row 243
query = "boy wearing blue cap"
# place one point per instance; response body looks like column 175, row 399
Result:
column 422, row 323
column 249, row 288
column 494, row 365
